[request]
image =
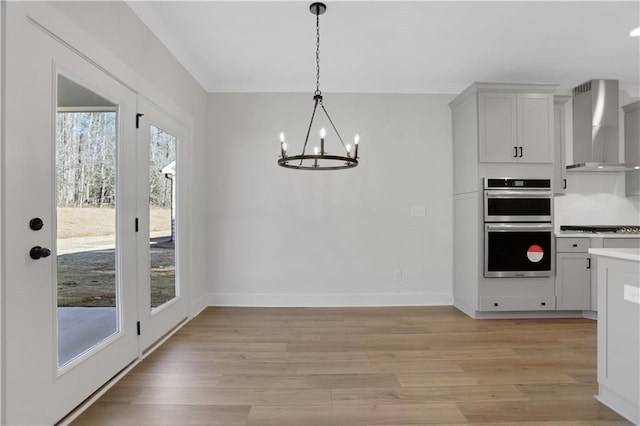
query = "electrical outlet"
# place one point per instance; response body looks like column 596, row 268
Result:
column 632, row 294
column 419, row 211
column 397, row 275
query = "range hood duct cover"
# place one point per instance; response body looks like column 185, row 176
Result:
column 596, row 137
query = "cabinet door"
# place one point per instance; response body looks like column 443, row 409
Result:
column 498, row 128
column 535, row 128
column 559, row 144
column 573, row 282
column 632, row 150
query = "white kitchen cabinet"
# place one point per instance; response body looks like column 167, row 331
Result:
column 574, row 269
column 632, row 146
column 488, row 121
column 498, row 127
column 573, row 282
column 515, row 127
column 560, row 121
column 573, row 274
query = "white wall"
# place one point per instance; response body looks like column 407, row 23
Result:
column 150, row 69
column 305, row 238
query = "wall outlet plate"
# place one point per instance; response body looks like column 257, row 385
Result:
column 419, row 211
column 632, row 294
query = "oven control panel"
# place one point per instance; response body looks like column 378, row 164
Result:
column 511, row 183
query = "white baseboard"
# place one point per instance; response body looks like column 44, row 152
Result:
column 329, row 300
column 630, row 410
column 199, row 305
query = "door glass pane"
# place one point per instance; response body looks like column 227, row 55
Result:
column 86, row 139
column 162, row 217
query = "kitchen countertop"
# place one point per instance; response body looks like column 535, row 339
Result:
column 617, row 253
column 595, row 235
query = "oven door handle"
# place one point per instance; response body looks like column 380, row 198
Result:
column 514, row 227
column 518, row 194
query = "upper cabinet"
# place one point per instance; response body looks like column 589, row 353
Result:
column 560, row 120
column 499, row 127
column 632, row 146
column 515, row 127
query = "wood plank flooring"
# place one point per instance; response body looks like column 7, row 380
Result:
column 362, row 366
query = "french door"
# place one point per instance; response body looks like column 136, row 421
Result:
column 70, row 272
column 92, row 237
column 163, row 301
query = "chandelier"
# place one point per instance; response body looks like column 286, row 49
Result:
column 320, row 159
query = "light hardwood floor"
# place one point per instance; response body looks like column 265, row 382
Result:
column 362, row 366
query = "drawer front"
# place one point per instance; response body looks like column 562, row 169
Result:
column 525, row 303
column 572, row 245
column 622, row 243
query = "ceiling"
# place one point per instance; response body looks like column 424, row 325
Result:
column 398, row 47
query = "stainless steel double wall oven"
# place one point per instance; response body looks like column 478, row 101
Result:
column 518, row 229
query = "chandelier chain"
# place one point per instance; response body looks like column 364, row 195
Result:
column 317, row 92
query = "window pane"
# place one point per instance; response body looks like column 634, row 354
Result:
column 162, row 218
column 86, row 220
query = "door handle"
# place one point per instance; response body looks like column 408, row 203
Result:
column 37, row 252
column 515, row 152
column 564, row 184
column 588, row 263
column 520, row 151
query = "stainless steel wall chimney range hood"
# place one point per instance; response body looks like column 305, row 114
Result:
column 596, row 139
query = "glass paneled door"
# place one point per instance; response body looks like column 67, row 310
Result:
column 163, row 297
column 69, row 242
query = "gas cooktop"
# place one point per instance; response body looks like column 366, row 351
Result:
column 618, row 229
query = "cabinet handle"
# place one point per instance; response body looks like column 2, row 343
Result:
column 564, row 184
column 515, row 152
column 574, row 245
column 588, row 263
column 520, row 151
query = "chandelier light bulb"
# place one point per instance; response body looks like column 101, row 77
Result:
column 281, row 137
column 356, row 139
column 323, row 133
column 315, row 150
column 349, row 148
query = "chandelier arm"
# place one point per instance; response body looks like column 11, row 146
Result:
column 306, row 139
column 333, row 125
